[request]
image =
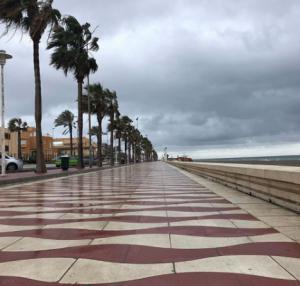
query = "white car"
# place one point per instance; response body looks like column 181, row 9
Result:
column 12, row 164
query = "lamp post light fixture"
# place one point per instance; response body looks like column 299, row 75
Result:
column 3, row 57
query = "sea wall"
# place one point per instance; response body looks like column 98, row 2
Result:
column 277, row 184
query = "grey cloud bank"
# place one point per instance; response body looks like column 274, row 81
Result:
column 206, row 77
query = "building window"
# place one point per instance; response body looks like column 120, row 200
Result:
column 23, row 142
column 6, row 148
column 7, row 136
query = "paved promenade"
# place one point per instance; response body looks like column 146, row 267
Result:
column 143, row 225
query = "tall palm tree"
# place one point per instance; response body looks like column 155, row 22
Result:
column 154, row 155
column 17, row 125
column 99, row 103
column 71, row 42
column 116, row 126
column 130, row 130
column 66, row 120
column 125, row 123
column 112, row 111
column 32, row 17
column 95, row 132
column 134, row 140
column 117, row 123
column 147, row 148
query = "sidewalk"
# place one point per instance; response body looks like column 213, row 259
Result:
column 144, row 225
column 31, row 176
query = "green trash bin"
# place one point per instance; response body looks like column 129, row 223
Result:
column 64, row 162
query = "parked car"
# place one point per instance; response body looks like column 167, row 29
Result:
column 12, row 164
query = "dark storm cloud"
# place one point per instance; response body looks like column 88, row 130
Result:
column 198, row 73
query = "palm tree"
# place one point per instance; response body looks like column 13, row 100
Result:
column 116, row 126
column 134, row 140
column 66, row 119
column 99, row 103
column 17, row 125
column 147, row 148
column 130, row 130
column 125, row 123
column 95, row 132
column 32, row 17
column 71, row 42
column 154, row 155
column 112, row 111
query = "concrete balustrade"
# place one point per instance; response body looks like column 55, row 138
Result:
column 277, row 184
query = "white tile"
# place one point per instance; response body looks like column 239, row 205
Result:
column 35, row 244
column 6, row 241
column 198, row 242
column 243, row 264
column 91, row 225
column 155, row 240
column 205, row 222
column 292, row 265
column 131, row 226
column 45, row 269
column 107, row 272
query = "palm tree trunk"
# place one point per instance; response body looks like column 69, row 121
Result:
column 40, row 160
column 80, row 126
column 19, row 145
column 126, row 147
column 99, row 147
column 133, row 153
column 71, row 138
column 129, row 152
column 119, row 149
column 112, row 140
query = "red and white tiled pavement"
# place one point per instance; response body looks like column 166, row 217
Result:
column 141, row 225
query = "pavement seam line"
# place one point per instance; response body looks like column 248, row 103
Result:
column 19, row 239
column 284, row 268
column 68, row 269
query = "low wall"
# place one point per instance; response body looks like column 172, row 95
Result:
column 277, row 184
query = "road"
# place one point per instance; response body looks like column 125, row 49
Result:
column 141, row 225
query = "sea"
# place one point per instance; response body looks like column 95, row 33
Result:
column 287, row 160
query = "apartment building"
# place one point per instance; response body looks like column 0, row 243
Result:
column 62, row 146
column 53, row 147
column 11, row 143
column 28, row 145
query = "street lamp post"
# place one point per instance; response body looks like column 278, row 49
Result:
column 89, row 106
column 3, row 57
column 90, row 122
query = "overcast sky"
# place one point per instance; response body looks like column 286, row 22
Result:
column 207, row 78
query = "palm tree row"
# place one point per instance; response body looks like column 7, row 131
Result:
column 71, row 43
column 104, row 103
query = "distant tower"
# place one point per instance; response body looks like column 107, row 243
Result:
column 166, row 154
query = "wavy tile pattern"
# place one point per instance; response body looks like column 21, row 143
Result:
column 139, row 225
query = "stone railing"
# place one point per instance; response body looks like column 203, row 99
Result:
column 277, row 184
